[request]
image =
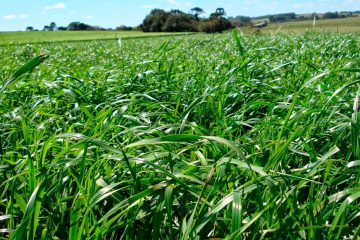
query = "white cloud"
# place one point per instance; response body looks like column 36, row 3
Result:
column 56, row 6
column 148, row 6
column 10, row 17
column 173, row 2
column 89, row 17
column 59, row 5
column 13, row 16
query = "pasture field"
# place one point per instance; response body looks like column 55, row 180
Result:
column 7, row 38
column 341, row 25
column 191, row 137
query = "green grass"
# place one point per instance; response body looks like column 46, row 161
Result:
column 190, row 137
column 41, row 36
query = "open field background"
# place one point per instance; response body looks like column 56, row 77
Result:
column 189, row 137
column 351, row 24
column 341, row 25
column 329, row 25
column 58, row 36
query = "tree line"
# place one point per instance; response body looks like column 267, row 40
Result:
column 159, row 20
column 73, row 26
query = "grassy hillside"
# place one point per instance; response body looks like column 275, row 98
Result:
column 342, row 25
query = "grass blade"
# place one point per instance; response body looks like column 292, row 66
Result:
column 27, row 67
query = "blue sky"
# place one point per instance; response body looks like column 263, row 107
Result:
column 18, row 14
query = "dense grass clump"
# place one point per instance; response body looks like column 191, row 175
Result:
column 197, row 137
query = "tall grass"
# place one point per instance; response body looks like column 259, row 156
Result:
column 197, row 137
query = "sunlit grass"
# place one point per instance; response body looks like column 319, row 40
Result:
column 194, row 137
column 7, row 38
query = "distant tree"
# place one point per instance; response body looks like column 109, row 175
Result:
column 62, row 28
column 52, row 26
column 178, row 21
column 314, row 15
column 73, row 26
column 196, row 12
column 345, row 14
column 302, row 18
column 215, row 25
column 29, row 28
column 46, row 28
column 282, row 17
column 331, row 15
column 219, row 12
column 78, row 26
column 159, row 20
column 124, row 28
column 176, row 12
column 216, row 22
column 154, row 21
column 172, row 21
column 96, row 28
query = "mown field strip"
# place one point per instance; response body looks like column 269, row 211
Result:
column 7, row 38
